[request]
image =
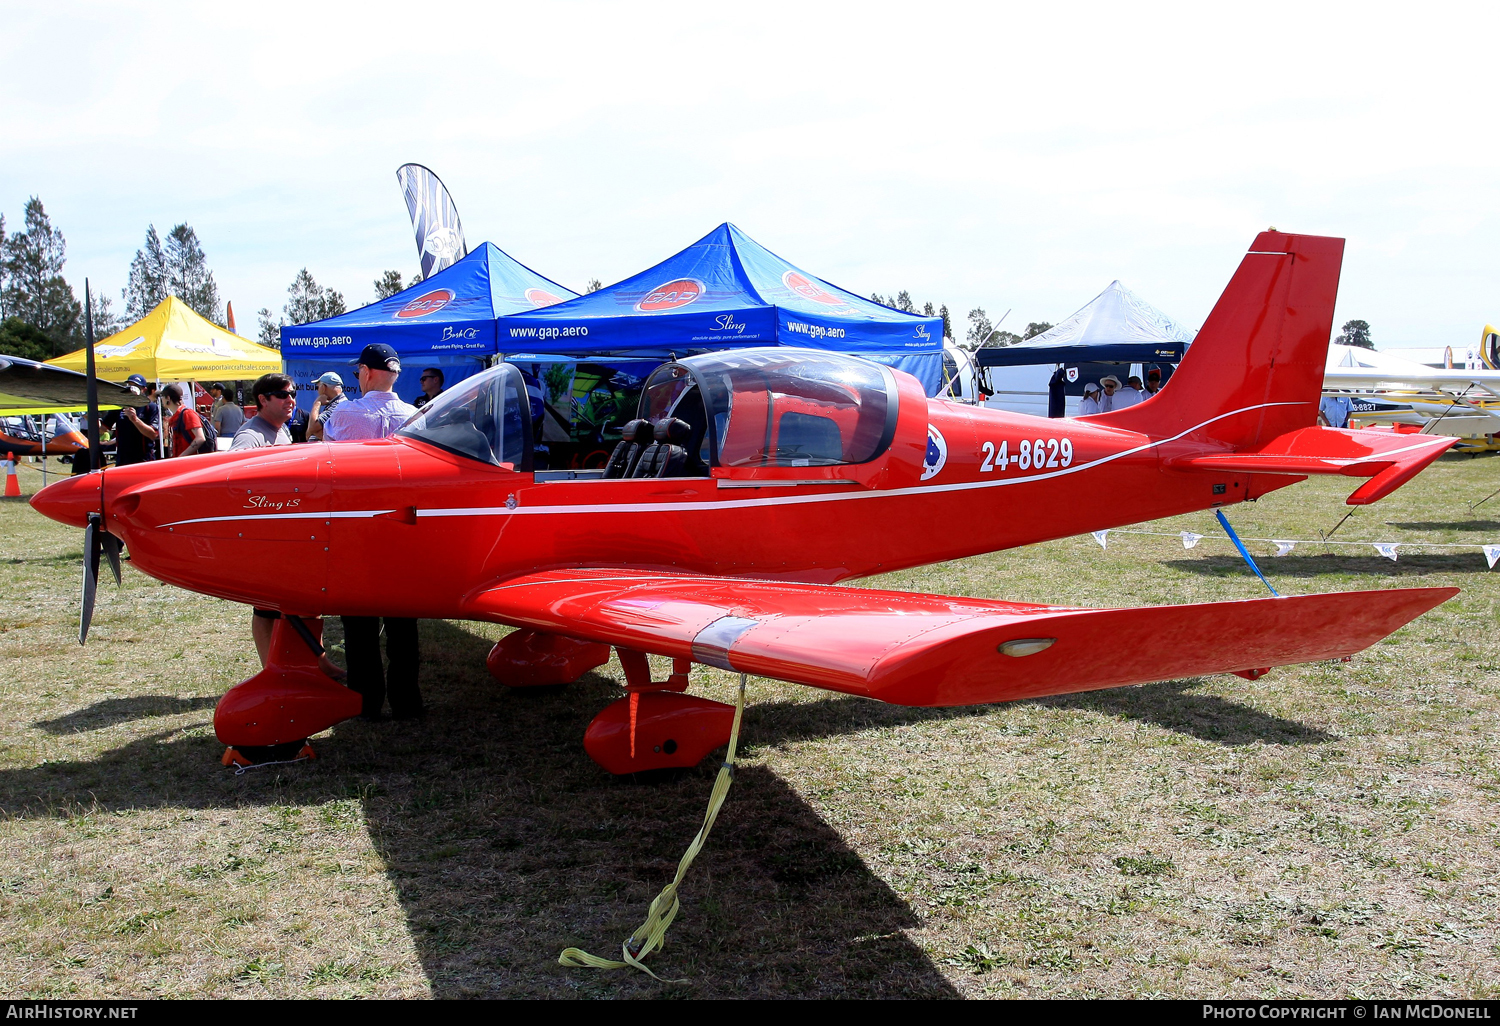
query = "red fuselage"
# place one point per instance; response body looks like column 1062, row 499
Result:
column 396, row 527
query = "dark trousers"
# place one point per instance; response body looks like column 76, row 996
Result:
column 362, row 650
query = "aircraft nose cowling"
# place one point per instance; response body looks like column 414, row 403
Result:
column 71, row 500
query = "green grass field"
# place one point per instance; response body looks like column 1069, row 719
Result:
column 1329, row 830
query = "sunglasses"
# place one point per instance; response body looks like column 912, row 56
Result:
column 428, row 377
column 281, row 393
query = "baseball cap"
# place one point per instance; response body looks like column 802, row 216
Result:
column 330, row 378
column 138, row 380
column 379, row 356
column 1092, row 386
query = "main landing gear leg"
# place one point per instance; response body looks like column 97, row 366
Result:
column 269, row 717
column 656, row 726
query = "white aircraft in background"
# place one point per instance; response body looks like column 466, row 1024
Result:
column 1383, row 389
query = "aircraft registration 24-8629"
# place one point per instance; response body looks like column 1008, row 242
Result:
column 774, row 474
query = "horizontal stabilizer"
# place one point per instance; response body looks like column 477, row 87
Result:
column 933, row 650
column 1389, row 460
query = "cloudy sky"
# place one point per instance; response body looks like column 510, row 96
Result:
column 1009, row 156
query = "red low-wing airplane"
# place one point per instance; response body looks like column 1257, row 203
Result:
column 776, row 474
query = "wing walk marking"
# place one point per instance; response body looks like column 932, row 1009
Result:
column 713, row 506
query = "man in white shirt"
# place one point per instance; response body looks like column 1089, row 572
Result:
column 1132, row 393
column 378, row 411
column 1109, row 402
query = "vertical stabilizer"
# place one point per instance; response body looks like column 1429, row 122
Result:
column 1255, row 371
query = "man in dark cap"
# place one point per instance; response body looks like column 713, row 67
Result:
column 377, row 413
column 136, row 431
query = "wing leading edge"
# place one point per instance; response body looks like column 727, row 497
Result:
column 932, row 650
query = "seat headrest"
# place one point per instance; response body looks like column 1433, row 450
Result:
column 638, row 431
column 674, row 431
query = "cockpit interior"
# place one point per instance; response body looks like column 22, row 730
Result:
column 744, row 408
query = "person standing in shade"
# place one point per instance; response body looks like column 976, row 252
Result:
column 1131, row 394
column 228, row 417
column 275, row 399
column 1111, row 386
column 136, row 431
column 330, row 396
column 186, row 426
column 432, row 386
column 377, row 413
column 1090, row 404
column 1153, row 381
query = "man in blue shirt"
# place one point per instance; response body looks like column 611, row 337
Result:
column 377, row 413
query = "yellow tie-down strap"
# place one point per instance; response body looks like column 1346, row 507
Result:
column 651, row 934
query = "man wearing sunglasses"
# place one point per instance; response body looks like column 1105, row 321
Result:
column 275, row 402
column 432, row 386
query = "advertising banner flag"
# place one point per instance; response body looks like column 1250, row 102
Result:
column 434, row 218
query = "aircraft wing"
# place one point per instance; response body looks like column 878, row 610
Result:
column 1418, row 378
column 912, row 649
column 28, row 385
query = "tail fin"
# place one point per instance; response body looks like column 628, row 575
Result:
column 1255, row 371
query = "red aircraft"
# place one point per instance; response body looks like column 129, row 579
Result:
column 763, row 478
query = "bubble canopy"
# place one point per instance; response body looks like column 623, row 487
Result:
column 486, row 417
column 777, row 407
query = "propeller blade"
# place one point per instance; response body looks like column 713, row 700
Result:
column 91, row 549
column 111, row 546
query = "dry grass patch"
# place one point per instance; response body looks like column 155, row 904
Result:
column 1328, row 830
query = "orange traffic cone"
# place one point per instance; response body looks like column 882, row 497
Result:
column 12, row 482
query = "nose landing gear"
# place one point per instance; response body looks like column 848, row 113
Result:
column 269, row 717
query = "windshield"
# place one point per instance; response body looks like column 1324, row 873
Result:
column 786, row 407
column 486, row 417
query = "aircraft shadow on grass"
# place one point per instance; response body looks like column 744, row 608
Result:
column 1415, row 564
column 505, row 843
column 1448, row 525
column 111, row 711
column 1208, row 717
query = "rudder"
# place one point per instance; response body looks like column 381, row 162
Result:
column 1255, row 370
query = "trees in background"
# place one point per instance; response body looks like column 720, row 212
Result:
column 178, row 268
column 306, row 301
column 32, row 288
column 388, row 284
column 902, row 301
column 1355, row 333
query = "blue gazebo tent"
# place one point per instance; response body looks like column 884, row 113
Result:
column 1116, row 326
column 447, row 321
column 727, row 291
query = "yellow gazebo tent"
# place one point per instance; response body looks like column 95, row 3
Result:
column 173, row 343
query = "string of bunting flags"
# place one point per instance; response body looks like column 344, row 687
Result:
column 1285, row 545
